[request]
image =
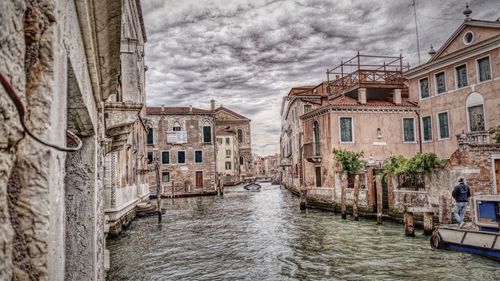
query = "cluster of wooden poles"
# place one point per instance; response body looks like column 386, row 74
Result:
column 409, row 211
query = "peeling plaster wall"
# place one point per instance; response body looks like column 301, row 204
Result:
column 41, row 40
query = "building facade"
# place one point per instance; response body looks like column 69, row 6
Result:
column 183, row 140
column 299, row 101
column 65, row 61
column 228, row 157
column 227, row 119
column 458, row 87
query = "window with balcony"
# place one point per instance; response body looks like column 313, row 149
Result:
column 427, row 128
column 483, row 68
column 409, row 129
column 346, row 132
column 440, row 82
column 475, row 112
column 424, row 88
column 444, row 129
column 461, row 76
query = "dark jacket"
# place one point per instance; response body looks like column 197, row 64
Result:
column 461, row 193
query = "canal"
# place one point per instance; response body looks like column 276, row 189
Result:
column 264, row 236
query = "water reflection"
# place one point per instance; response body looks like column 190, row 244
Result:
column 264, row 236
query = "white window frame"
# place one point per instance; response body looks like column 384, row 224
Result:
column 169, row 179
column 420, row 88
column 435, row 83
column 414, row 129
column 352, row 128
column 471, row 41
column 438, row 124
column 185, row 157
column 194, row 156
column 230, row 153
column 477, row 69
column 169, row 162
column 456, row 77
column 422, row 129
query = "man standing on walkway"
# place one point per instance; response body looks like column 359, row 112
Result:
column 461, row 194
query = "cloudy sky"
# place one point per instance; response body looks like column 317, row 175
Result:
column 247, row 54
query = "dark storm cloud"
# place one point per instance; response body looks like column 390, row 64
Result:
column 246, row 54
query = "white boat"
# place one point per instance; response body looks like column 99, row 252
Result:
column 252, row 186
column 481, row 237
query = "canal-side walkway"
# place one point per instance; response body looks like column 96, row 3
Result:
column 265, row 236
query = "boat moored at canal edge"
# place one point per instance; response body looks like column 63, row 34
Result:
column 480, row 237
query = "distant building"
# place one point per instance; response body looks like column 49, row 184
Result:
column 227, row 119
column 228, row 155
column 299, row 101
column 183, row 140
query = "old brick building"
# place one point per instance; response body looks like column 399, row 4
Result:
column 183, row 140
column 73, row 72
column 228, row 119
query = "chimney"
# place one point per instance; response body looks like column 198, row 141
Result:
column 362, row 95
column 190, row 109
column 212, row 105
column 396, row 96
column 162, row 108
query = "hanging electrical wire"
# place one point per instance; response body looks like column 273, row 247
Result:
column 21, row 112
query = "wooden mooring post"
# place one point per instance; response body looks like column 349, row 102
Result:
column 428, row 223
column 343, row 199
column 356, row 198
column 409, row 226
column 158, row 189
column 303, row 198
column 378, row 186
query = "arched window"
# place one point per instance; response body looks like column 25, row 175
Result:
column 207, row 132
column 177, row 127
column 240, row 135
column 242, row 161
column 317, row 148
column 475, row 112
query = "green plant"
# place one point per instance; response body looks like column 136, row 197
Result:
column 495, row 132
column 350, row 161
column 411, row 170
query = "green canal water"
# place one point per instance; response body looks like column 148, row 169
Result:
column 264, row 236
